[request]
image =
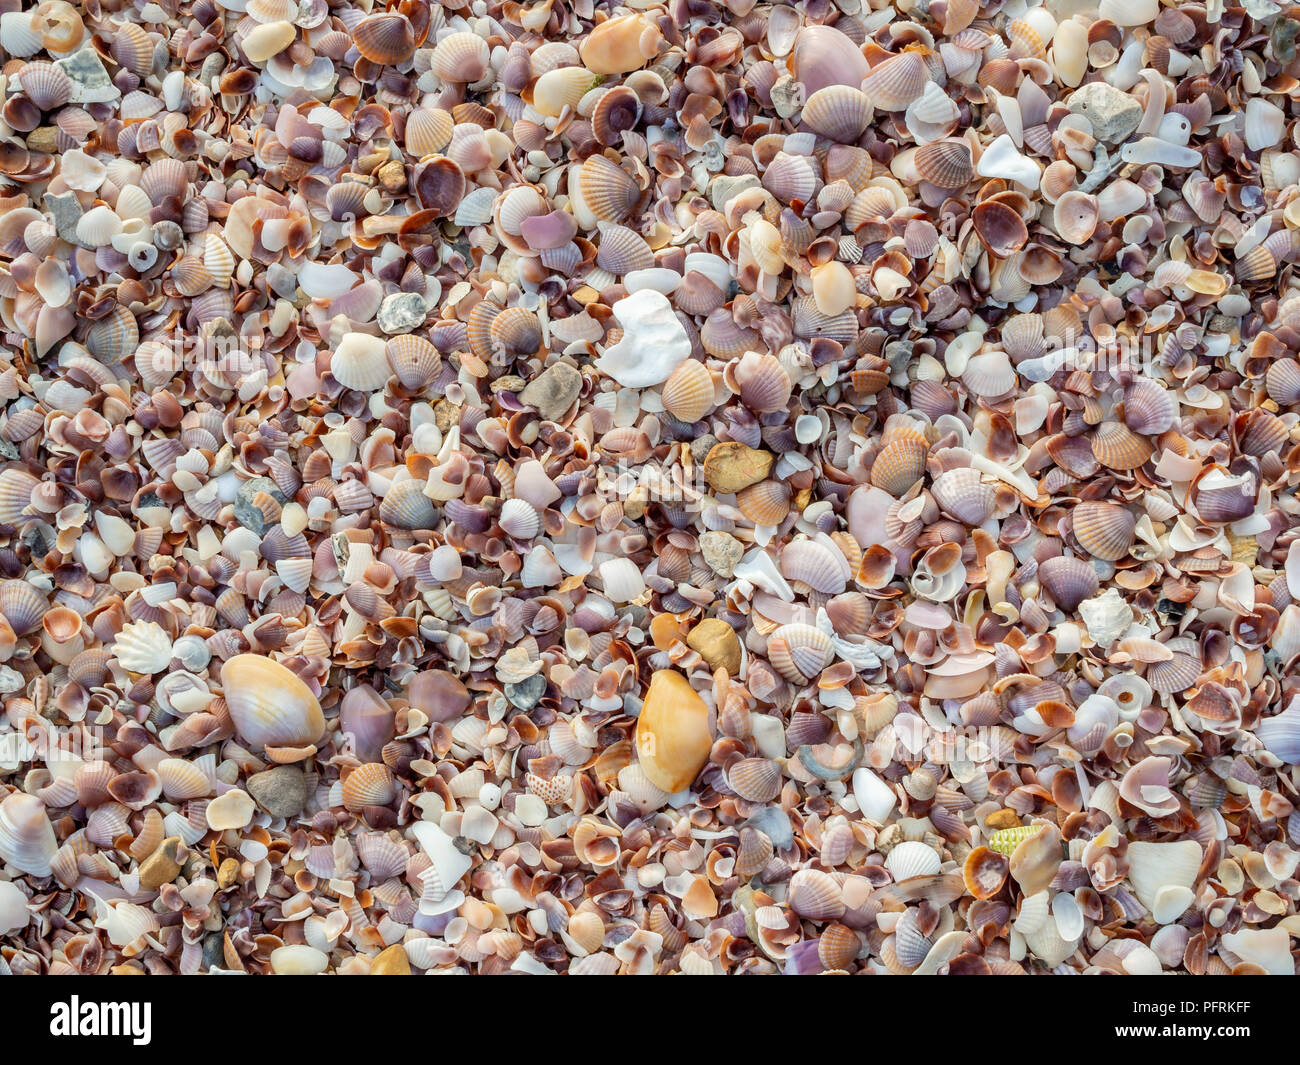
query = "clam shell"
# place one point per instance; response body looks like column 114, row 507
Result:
column 964, row 494
column 766, row 503
column 815, row 565
column 791, row 178
column 22, row 605
column 46, row 85
column 1149, row 408
column 673, row 738
column 946, row 164
column 622, row 250
column 428, row 130
column 911, row 859
column 181, row 780
column 900, row 464
column 1118, row 447
column 143, row 647
column 269, row 704
column 1068, row 580
column 414, row 361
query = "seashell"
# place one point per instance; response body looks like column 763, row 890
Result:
column 460, row 58
column 22, row 605
column 900, row 464
column 815, row 565
column 762, row 382
column 963, row 494
column 616, row 112
column 1162, row 875
column 755, row 779
column 405, row 506
column 428, row 131
column 946, row 164
column 519, row 519
column 622, row 250
column 1068, row 580
column 1104, row 530
column 824, row 55
column 999, row 227
column 414, row 361
column 1149, row 408
column 896, row 82
column 815, row 895
column 607, row 190
column 912, row 859
column 113, row 337
column 181, row 780
column 27, row 840
column 1118, row 447
column 360, row 362
column 1075, row 216
column 387, row 39
column 143, row 647
column 984, row 872
column 1280, row 734
column 620, row 45
column 688, row 393
column 1036, row 858
column 270, row 705
column 799, row 652
column 790, row 178
column 673, row 738
column 46, row 85
column 516, row 331
column 369, row 784
column 838, row 112
column 1283, row 382
column 990, row 374
column 766, row 503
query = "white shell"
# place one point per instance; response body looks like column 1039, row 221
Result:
column 449, row 863
column 912, row 858
column 27, row 840
column 143, row 647
column 360, row 362
column 622, row 580
column 1269, row 948
column 875, row 797
column 13, row 908
column 1153, row 867
column 654, row 342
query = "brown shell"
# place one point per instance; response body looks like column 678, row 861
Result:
column 1104, row 530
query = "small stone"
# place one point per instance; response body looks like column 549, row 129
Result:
column 722, row 552
column 401, row 312
column 446, row 414
column 701, row 446
column 90, row 81
column 162, row 866
column 527, row 693
column 66, row 211
column 281, row 791
column 787, row 96
column 717, row 643
column 732, row 466
column 227, row 872
column 248, row 515
column 553, row 391
column 392, row 176
column 392, row 961
column 1114, row 115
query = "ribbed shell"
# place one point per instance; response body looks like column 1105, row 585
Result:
column 405, row 506
column 838, row 112
column 688, row 392
column 1104, row 530
column 386, row 39
column 371, row 784
column 896, row 82
column 607, row 190
column 755, row 779
column 799, row 652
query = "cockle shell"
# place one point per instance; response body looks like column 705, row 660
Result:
column 143, row 647
column 269, row 704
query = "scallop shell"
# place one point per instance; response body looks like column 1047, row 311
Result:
column 46, row 85
column 838, row 112
column 766, row 503
column 387, row 39
column 911, row 859
column 1118, row 447
column 370, row 784
column 622, row 250
column 688, row 393
column 964, row 494
column 414, row 361
column 1149, row 408
column 1283, row 382
column 755, row 779
column 900, row 464
column 946, row 164
column 607, row 190
column 815, row 895
column 1068, row 580
column 143, row 647
column 816, row 565
column 461, row 58
column 799, row 652
column 791, row 178
column 181, row 780
column 896, row 82
column 405, row 506
column 22, row 605
column 428, row 130
column 1104, row 530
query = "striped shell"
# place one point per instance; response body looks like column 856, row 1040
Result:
column 895, row 83
column 387, row 39
column 755, row 779
column 370, row 784
column 799, row 652
column 607, row 189
column 405, row 506
column 688, row 393
column 838, row 112
column 1104, row 530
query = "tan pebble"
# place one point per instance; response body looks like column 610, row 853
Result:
column 732, row 466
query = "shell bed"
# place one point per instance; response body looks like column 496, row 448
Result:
column 607, row 488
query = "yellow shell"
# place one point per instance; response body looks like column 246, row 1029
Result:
column 688, row 392
column 621, row 45
column 672, row 732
